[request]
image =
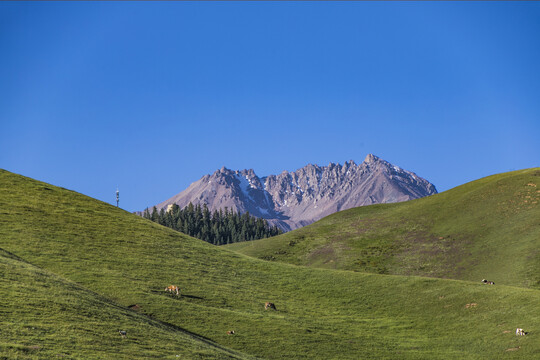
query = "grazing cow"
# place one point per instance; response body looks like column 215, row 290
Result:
column 488, row 282
column 520, row 332
column 230, row 332
column 123, row 333
column 173, row 288
column 269, row 305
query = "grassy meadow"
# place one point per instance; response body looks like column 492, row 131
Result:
column 46, row 316
column 76, row 270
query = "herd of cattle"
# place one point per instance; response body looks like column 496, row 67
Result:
column 269, row 305
column 519, row 331
column 175, row 289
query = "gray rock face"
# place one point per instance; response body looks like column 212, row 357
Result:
column 294, row 199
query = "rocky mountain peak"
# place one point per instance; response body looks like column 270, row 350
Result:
column 370, row 158
column 293, row 199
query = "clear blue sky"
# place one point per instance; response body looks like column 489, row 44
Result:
column 150, row 96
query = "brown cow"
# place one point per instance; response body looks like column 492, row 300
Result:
column 173, row 288
column 269, row 305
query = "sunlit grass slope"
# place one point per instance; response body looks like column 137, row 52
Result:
column 489, row 228
column 44, row 316
column 322, row 314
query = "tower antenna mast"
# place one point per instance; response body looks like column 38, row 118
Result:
column 117, row 196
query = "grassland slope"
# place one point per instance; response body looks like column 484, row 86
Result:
column 321, row 314
column 489, row 228
column 45, row 316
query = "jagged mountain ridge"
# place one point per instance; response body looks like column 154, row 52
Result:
column 294, row 199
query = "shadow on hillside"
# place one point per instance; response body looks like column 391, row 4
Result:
column 177, row 296
column 192, row 296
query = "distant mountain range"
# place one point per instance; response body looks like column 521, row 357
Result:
column 294, row 199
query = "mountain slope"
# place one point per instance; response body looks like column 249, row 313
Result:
column 45, row 316
column 321, row 314
column 294, row 199
column 489, row 228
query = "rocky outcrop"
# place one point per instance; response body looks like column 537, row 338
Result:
column 294, row 199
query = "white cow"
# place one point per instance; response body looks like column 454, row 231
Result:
column 520, row 332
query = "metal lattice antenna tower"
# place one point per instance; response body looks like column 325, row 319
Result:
column 117, row 196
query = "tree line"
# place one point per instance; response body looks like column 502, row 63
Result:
column 219, row 227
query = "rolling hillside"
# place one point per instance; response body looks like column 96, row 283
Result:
column 489, row 228
column 88, row 259
column 45, row 316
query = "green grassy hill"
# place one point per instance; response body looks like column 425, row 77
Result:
column 93, row 261
column 45, row 316
column 489, row 228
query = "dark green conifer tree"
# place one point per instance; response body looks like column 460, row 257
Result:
column 223, row 226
